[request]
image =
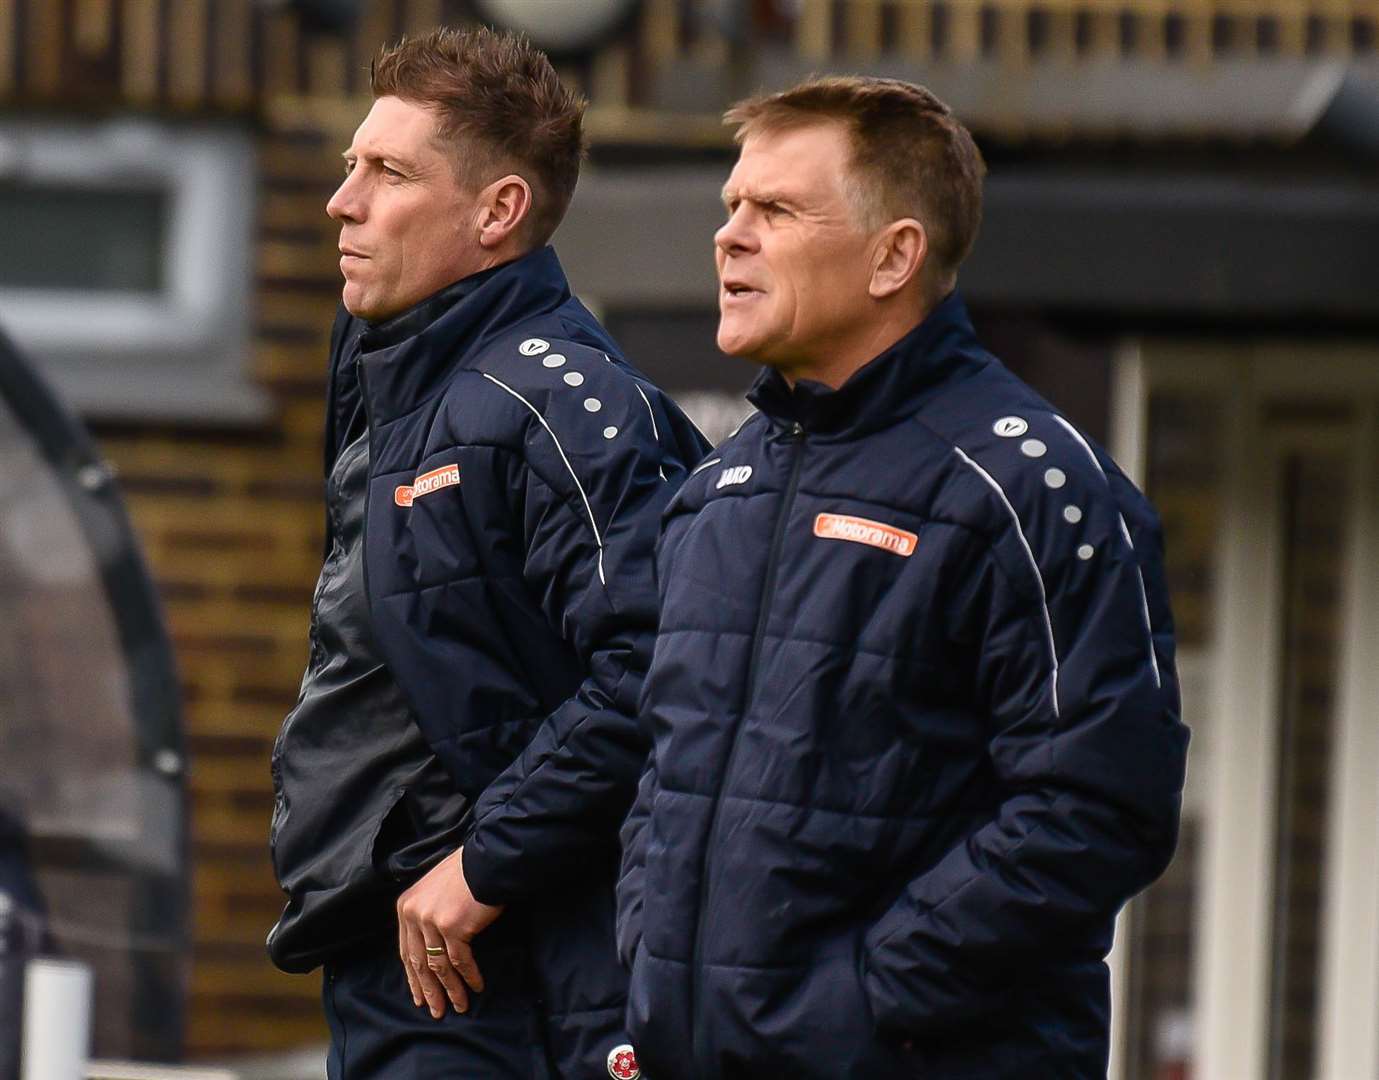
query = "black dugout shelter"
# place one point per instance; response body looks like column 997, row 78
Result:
column 91, row 760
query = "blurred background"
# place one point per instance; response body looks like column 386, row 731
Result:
column 1180, row 249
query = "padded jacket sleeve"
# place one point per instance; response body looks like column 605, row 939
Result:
column 1086, row 741
column 591, row 511
column 636, row 829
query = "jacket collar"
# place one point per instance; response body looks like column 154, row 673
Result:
column 394, row 331
column 407, row 359
column 884, row 389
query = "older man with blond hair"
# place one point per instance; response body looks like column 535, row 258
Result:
column 913, row 706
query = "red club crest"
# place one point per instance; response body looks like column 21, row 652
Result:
column 622, row 1063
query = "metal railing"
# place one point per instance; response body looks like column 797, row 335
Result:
column 1016, row 31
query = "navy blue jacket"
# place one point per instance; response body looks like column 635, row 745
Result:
column 916, row 734
column 518, row 470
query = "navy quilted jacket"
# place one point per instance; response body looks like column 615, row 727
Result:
column 916, row 734
column 518, row 470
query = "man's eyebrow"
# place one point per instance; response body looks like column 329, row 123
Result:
column 761, row 198
column 381, row 154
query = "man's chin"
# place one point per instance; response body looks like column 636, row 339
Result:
column 739, row 346
column 746, row 351
column 357, row 304
column 351, row 298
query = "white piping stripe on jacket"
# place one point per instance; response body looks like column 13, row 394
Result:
column 598, row 539
column 1125, row 531
column 1081, row 442
column 743, row 424
column 1034, row 564
column 705, row 464
column 655, row 431
column 1149, row 626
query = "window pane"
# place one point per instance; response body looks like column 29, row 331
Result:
column 81, row 238
column 1184, row 482
column 1315, row 492
column 1184, row 446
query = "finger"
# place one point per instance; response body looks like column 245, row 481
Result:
column 431, row 990
column 413, row 956
column 405, row 957
column 444, row 971
column 462, row 959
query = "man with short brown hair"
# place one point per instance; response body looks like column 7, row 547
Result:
column 913, row 707
column 451, row 780
column 497, row 103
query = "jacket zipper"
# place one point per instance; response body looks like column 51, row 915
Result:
column 795, row 433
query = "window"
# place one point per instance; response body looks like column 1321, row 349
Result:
column 125, row 267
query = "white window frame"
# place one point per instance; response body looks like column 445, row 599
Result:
column 178, row 353
column 1233, row 956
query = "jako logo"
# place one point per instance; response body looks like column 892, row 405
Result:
column 863, row 531
column 445, row 476
column 737, row 474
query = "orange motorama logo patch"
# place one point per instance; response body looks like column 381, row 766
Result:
column 445, row 476
column 865, row 531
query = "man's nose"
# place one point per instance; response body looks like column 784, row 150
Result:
column 735, row 236
column 346, row 204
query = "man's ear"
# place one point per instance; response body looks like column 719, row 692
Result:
column 503, row 206
column 898, row 257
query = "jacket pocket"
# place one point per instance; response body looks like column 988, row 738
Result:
column 840, row 1026
column 418, row 828
column 808, row 1022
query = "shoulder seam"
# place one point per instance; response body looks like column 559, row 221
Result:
column 1129, row 540
column 1033, row 562
column 655, row 428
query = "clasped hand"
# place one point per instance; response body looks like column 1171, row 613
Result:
column 437, row 921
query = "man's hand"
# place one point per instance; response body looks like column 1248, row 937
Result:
column 437, row 918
